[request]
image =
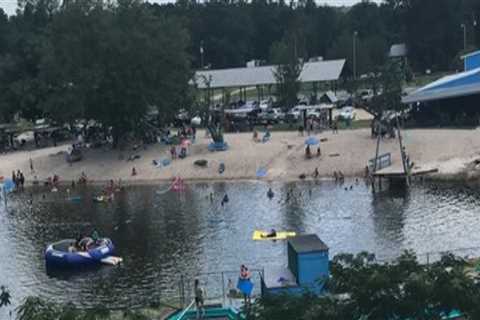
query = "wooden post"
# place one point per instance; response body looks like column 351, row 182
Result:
column 406, row 170
column 223, row 288
column 4, row 195
column 378, row 146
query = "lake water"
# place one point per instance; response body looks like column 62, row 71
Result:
column 162, row 236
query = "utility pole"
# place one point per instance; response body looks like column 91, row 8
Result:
column 464, row 27
column 406, row 168
column 355, row 34
column 201, row 53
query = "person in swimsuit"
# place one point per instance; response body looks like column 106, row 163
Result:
column 271, row 234
column 199, row 299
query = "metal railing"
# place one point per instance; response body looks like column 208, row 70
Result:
column 182, row 314
column 218, row 286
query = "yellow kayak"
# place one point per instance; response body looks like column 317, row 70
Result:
column 264, row 235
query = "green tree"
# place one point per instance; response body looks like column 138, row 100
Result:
column 286, row 55
column 21, row 89
column 361, row 288
column 115, row 62
column 390, row 79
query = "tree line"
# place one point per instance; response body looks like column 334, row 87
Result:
column 359, row 288
column 234, row 31
column 114, row 61
column 92, row 59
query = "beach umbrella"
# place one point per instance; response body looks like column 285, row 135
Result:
column 311, row 141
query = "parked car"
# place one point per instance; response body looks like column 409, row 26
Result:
column 196, row 121
column 275, row 115
column 366, row 95
column 264, row 104
column 347, row 113
column 25, row 137
column 314, row 113
column 295, row 113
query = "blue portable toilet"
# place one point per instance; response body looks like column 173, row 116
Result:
column 308, row 261
column 308, row 266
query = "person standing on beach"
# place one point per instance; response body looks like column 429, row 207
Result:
column 335, row 126
column 22, row 180
column 31, row 166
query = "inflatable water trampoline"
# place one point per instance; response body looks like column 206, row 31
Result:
column 64, row 254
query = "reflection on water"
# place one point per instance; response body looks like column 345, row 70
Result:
column 161, row 236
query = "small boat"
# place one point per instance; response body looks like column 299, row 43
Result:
column 60, row 254
column 265, row 235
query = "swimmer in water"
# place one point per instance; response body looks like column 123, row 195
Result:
column 225, row 199
column 270, row 193
column 271, row 234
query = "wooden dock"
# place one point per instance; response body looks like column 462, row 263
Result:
column 398, row 172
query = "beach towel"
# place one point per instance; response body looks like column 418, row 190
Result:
column 261, row 172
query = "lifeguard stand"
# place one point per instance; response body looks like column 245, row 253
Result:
column 307, row 266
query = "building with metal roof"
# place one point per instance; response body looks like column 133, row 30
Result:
column 398, row 50
column 258, row 76
column 462, row 84
column 451, row 100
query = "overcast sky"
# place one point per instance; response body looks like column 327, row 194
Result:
column 9, row 6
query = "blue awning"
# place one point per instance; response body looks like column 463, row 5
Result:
column 457, row 85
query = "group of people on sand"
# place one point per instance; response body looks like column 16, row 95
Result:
column 83, row 178
column 180, row 155
column 18, row 179
column 266, row 137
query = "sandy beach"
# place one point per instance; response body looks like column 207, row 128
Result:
column 453, row 152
